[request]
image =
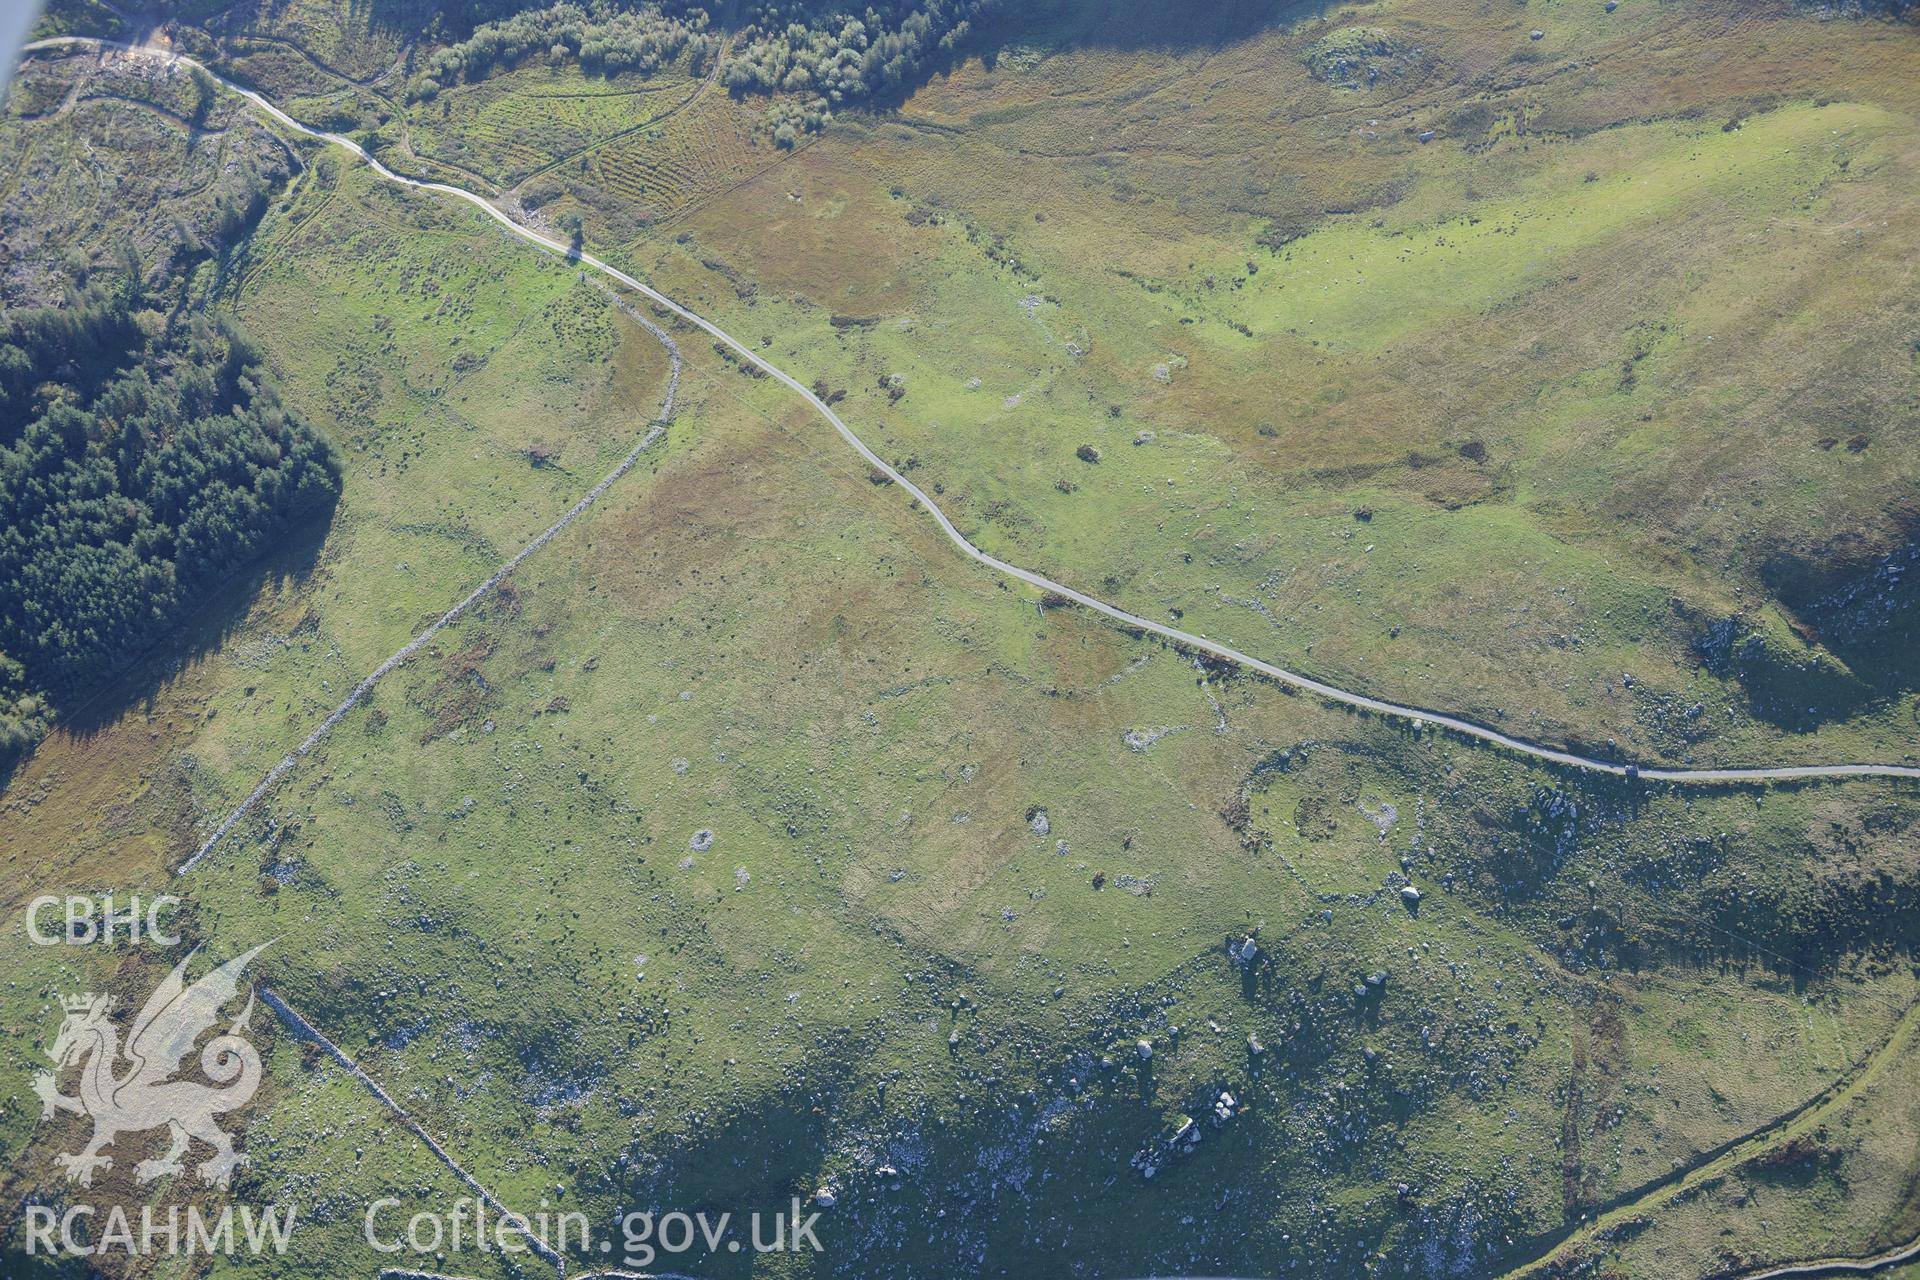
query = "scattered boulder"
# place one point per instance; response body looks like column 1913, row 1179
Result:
column 1358, row 57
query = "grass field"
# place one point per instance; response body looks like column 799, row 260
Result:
column 1647, row 353
column 511, row 125
column 750, row 842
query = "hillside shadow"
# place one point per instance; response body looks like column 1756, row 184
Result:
column 1863, row 613
column 1116, row 26
column 759, row 1155
column 1053, row 25
column 1870, row 623
column 1125, row 26
column 86, row 711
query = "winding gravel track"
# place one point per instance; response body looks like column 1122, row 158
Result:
column 1840, row 1266
column 1419, row 716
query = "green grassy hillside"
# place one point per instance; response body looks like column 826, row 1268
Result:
column 749, row 842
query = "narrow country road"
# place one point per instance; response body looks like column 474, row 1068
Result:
column 1420, row 717
column 1840, row 1266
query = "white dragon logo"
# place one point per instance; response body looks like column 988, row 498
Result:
column 145, row 1097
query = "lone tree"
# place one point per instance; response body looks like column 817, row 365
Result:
column 204, row 92
column 576, row 230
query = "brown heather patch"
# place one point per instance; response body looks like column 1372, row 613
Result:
column 844, row 245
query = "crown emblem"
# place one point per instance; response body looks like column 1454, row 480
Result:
column 155, row 1095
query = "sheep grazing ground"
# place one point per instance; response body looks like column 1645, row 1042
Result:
column 748, row 847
